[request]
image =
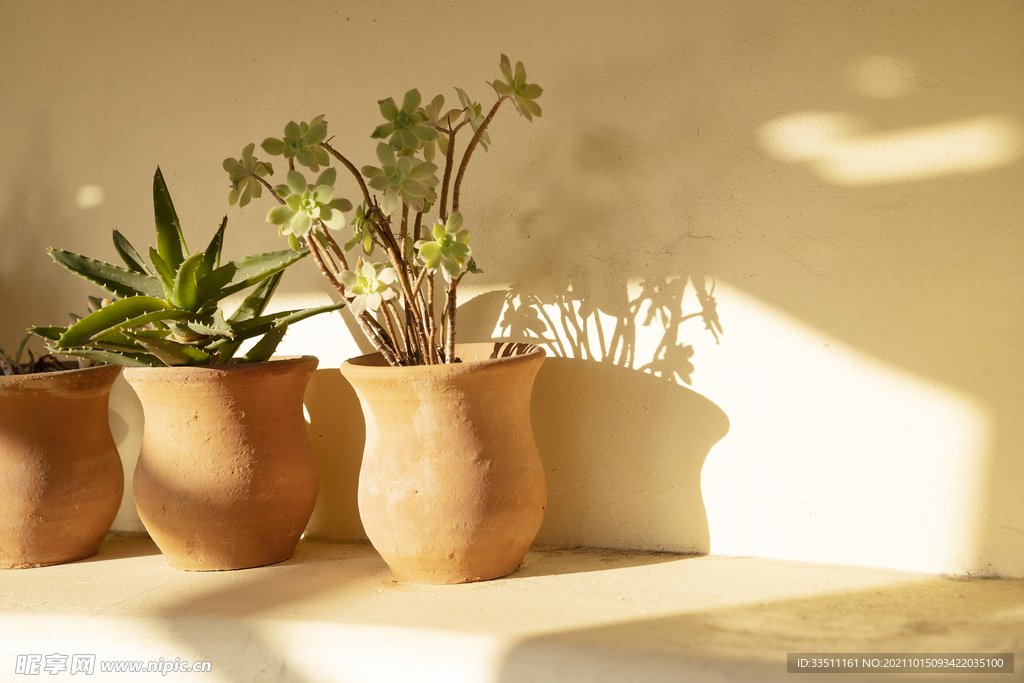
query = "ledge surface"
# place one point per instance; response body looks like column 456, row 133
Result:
column 334, row 613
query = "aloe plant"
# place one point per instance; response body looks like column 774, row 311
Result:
column 165, row 311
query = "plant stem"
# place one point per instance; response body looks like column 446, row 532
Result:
column 469, row 151
column 391, row 330
column 449, row 341
column 432, row 317
column 351, row 167
column 449, row 160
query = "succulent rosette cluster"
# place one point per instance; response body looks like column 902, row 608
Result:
column 371, row 284
column 393, row 301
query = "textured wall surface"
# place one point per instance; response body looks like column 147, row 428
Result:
column 775, row 251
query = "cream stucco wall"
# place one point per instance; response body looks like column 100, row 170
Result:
column 776, row 250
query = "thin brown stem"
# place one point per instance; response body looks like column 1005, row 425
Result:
column 355, row 172
column 432, row 318
column 386, row 308
column 404, row 238
column 376, row 339
column 449, row 161
column 469, row 151
column 449, row 337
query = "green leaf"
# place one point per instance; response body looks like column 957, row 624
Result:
column 506, row 68
column 172, row 352
column 185, row 285
column 128, row 254
column 140, row 360
column 211, row 258
column 383, row 130
column 136, row 310
column 256, row 302
column 388, row 109
column 163, row 270
column 411, row 100
column 273, row 146
column 50, row 333
column 238, row 275
column 254, row 327
column 114, row 279
column 169, row 239
column 264, row 348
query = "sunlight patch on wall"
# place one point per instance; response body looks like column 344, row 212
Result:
column 834, row 455
column 89, row 196
column 841, row 149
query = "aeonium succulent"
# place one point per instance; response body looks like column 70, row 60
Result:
column 305, row 203
column 449, row 249
column 523, row 94
column 245, row 174
column 405, row 127
column 371, row 284
column 409, row 209
column 301, row 142
column 401, row 179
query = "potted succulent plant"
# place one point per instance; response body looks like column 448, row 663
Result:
column 451, row 487
column 227, row 477
column 61, row 480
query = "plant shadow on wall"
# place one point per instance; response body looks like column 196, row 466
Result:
column 622, row 437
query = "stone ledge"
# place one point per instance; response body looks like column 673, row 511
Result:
column 334, row 613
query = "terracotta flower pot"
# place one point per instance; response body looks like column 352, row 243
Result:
column 451, row 487
column 61, row 480
column 227, row 477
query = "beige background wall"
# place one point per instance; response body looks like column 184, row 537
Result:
column 776, row 250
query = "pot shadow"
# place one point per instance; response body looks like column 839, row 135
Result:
column 337, row 431
column 563, row 561
column 623, row 446
column 749, row 641
column 121, row 546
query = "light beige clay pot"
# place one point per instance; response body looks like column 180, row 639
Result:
column 451, row 487
column 227, row 477
column 61, row 480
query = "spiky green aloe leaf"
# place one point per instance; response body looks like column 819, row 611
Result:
column 141, row 360
column 247, row 329
column 185, row 293
column 238, row 275
column 169, row 239
column 265, row 347
column 48, row 333
column 211, row 257
column 122, row 314
column 129, row 255
column 172, row 352
column 114, row 279
column 165, row 272
column 256, row 302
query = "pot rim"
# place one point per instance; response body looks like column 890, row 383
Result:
column 168, row 372
column 103, row 373
column 516, row 353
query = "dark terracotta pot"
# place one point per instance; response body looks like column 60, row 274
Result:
column 227, row 477
column 451, row 487
column 61, row 480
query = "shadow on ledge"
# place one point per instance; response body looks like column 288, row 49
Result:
column 750, row 641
